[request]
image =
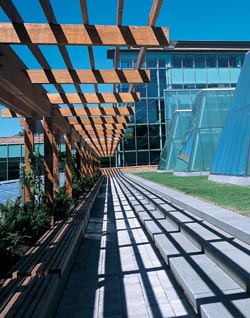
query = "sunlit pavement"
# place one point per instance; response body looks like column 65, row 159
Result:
column 118, row 272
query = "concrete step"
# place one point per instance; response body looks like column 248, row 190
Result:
column 231, row 309
column 234, row 260
column 231, row 256
column 205, row 283
column 222, row 273
column 173, row 245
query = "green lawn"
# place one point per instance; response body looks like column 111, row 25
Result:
column 232, row 197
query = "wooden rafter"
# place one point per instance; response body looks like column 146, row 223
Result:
column 100, row 120
column 88, row 76
column 102, row 127
column 94, row 98
column 155, row 10
column 97, row 111
column 74, row 34
column 85, row 18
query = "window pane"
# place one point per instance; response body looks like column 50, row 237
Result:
column 200, row 75
column 222, row 60
column 142, row 142
column 212, row 76
column 14, row 151
column 129, row 159
column 189, row 77
column 153, row 113
column 129, row 143
column 141, row 112
column 188, row 61
column 141, row 130
column 154, row 157
column 177, row 61
column 211, row 60
column 3, row 151
column 177, row 76
column 199, row 60
column 143, row 158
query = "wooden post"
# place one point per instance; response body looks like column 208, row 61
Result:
column 56, row 162
column 48, row 166
column 85, row 171
column 68, row 166
column 28, row 149
column 78, row 161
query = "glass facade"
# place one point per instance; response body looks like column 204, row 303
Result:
column 209, row 113
column 12, row 159
column 233, row 154
column 175, row 138
column 170, row 70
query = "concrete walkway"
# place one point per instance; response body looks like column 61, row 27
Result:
column 118, row 272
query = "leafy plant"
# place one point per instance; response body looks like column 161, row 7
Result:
column 33, row 179
column 62, row 203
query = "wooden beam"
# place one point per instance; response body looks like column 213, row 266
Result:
column 95, row 98
column 155, row 10
column 101, row 127
column 97, row 111
column 20, row 95
column 88, row 76
column 99, row 120
column 8, row 113
column 75, row 34
column 101, row 135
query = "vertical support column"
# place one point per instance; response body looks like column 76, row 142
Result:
column 56, row 162
column 85, row 170
column 48, row 167
column 68, row 166
column 28, row 149
column 78, row 161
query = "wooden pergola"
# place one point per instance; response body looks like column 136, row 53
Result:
column 95, row 131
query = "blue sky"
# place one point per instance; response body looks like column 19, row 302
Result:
column 187, row 20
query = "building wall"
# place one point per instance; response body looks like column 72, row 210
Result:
column 144, row 139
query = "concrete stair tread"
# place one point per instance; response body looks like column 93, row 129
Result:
column 141, row 208
column 152, row 228
column 167, row 207
column 234, row 260
column 168, row 226
column 144, row 216
column 202, row 232
column 230, row 309
column 203, row 281
column 173, row 245
column 183, row 217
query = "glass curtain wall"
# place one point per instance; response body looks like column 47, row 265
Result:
column 175, row 138
column 209, row 114
column 12, row 159
column 146, row 134
column 233, row 154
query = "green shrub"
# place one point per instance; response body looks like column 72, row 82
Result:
column 62, row 204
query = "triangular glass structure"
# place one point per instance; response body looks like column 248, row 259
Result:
column 178, row 105
column 209, row 114
column 232, row 159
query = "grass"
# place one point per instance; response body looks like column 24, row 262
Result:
column 232, row 197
